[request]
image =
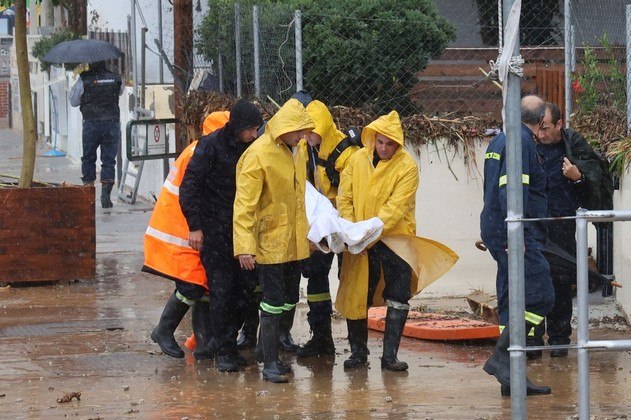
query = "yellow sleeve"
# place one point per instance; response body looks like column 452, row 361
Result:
column 402, row 199
column 344, row 197
column 250, row 178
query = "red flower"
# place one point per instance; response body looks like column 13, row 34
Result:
column 576, row 86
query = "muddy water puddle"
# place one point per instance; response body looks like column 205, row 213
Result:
column 92, row 338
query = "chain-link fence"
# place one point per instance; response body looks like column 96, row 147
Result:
column 252, row 48
column 426, row 56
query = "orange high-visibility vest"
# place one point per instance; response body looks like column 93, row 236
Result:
column 166, row 238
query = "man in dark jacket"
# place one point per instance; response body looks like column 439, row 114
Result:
column 573, row 174
column 96, row 93
column 539, row 293
column 206, row 197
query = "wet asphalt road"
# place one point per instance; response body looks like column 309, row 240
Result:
column 92, row 337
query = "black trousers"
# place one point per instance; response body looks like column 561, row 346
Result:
column 316, row 270
column 280, row 284
column 189, row 290
column 559, row 321
column 231, row 293
column 397, row 274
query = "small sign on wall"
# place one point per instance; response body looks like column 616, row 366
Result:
column 156, row 139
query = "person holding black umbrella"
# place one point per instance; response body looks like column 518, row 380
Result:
column 96, row 93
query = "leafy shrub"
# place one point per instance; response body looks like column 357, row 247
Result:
column 45, row 44
column 355, row 52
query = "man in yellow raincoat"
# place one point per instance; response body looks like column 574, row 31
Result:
column 327, row 151
column 270, row 222
column 380, row 180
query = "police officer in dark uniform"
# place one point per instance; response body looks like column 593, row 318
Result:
column 539, row 292
column 96, row 94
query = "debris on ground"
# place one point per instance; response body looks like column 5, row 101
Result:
column 484, row 305
column 69, row 396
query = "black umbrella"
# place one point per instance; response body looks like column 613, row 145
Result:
column 82, row 51
column 563, row 265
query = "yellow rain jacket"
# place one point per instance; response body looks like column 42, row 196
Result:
column 331, row 137
column 387, row 191
column 270, row 219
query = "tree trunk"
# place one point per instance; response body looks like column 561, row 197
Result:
column 77, row 16
column 28, row 120
column 183, row 61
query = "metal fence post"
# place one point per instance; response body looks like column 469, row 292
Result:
column 582, row 296
column 237, row 44
column 500, row 25
column 568, row 61
column 628, row 39
column 257, row 63
column 161, row 38
column 298, row 27
column 515, row 228
column 220, row 71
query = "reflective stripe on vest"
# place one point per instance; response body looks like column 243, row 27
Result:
column 165, row 237
column 525, row 179
column 172, row 188
column 492, row 155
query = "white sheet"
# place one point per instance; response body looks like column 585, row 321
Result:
column 330, row 233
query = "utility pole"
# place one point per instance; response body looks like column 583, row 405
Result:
column 183, row 61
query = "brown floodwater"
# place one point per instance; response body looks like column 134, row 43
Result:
column 92, row 337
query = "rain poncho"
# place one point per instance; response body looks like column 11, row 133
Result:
column 270, row 220
column 386, row 191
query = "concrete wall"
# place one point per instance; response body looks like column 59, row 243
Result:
column 622, row 249
column 448, row 210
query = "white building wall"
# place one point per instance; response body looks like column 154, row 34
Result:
column 113, row 15
column 622, row 249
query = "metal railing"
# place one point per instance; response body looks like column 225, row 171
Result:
column 584, row 344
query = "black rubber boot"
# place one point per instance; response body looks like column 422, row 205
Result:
column 321, row 343
column 202, row 330
column 269, row 345
column 106, row 191
column 559, row 353
column 226, row 363
column 531, row 389
column 358, row 339
column 498, row 365
column 172, row 315
column 285, row 341
column 535, row 338
column 395, row 322
column 247, row 335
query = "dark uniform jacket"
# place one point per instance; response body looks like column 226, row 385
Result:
column 99, row 101
column 493, row 216
column 209, row 186
column 596, row 193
